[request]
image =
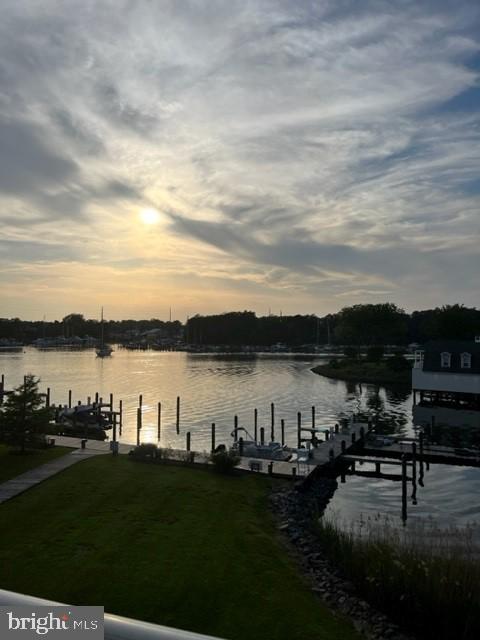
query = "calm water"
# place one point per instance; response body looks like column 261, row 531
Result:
column 214, row 388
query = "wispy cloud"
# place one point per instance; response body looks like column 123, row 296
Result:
column 303, row 153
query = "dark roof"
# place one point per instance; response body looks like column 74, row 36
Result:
column 434, row 349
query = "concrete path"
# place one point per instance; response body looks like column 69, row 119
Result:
column 29, row 479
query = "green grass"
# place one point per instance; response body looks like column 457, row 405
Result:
column 361, row 371
column 13, row 464
column 181, row 547
column 427, row 579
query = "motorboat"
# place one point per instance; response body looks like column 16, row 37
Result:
column 83, row 420
column 249, row 448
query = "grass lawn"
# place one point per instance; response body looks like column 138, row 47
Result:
column 361, row 371
column 12, row 464
column 177, row 546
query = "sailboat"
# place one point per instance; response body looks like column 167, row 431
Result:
column 104, row 350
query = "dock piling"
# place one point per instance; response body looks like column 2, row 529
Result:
column 272, row 430
column 178, row 415
column 235, row 428
column 313, row 417
column 282, row 426
column 255, row 424
column 299, row 430
column 69, row 398
column 159, row 421
column 404, row 488
column 213, row 437
column 120, row 408
column 188, row 440
column 139, row 424
column 262, row 435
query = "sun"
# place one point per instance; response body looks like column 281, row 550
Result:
column 149, row 216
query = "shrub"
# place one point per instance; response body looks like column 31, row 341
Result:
column 375, row 353
column 398, row 363
column 224, row 461
column 351, row 353
column 146, row 450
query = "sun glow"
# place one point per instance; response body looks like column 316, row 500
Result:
column 149, row 216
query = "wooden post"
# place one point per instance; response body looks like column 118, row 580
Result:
column 313, row 417
column 89, row 400
column 213, row 437
column 299, row 430
column 111, row 402
column 140, row 401
column 272, row 430
column 114, row 449
column 414, row 468
column 262, row 435
column 178, row 415
column 377, row 467
column 69, row 398
column 139, row 424
column 282, row 426
column 235, row 428
column 404, row 488
column 159, row 421
column 327, row 434
column 121, row 415
column 255, row 425
column 188, row 440
column 47, row 399
column 79, row 403
column 240, row 447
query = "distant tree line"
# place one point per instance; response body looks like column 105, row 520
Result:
column 361, row 324
column 75, row 324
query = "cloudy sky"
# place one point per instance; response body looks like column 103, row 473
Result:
column 213, row 155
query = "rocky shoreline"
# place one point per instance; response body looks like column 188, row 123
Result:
column 294, row 511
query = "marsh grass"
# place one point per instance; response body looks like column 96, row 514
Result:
column 425, row 578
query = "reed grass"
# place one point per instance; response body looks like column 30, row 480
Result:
column 427, row 579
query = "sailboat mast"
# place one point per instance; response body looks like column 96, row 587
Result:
column 102, row 339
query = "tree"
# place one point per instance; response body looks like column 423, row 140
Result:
column 371, row 324
column 23, row 418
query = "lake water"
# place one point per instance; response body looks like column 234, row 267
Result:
column 215, row 388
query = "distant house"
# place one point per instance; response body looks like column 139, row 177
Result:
column 446, row 374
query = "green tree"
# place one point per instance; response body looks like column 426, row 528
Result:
column 23, row 418
column 371, row 324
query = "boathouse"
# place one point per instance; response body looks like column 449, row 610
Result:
column 446, row 377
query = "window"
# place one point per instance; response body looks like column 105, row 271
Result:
column 445, row 359
column 466, row 360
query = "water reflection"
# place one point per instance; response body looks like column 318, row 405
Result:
column 215, row 387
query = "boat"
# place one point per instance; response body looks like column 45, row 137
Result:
column 83, row 421
column 249, row 448
column 104, row 350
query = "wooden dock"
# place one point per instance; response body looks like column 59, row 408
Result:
column 418, row 449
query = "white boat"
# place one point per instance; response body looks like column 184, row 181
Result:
column 104, row 350
column 251, row 449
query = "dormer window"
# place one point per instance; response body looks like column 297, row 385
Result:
column 466, row 360
column 445, row 359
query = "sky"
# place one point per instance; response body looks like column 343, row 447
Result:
column 292, row 155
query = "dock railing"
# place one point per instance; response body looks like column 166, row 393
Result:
column 116, row 627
